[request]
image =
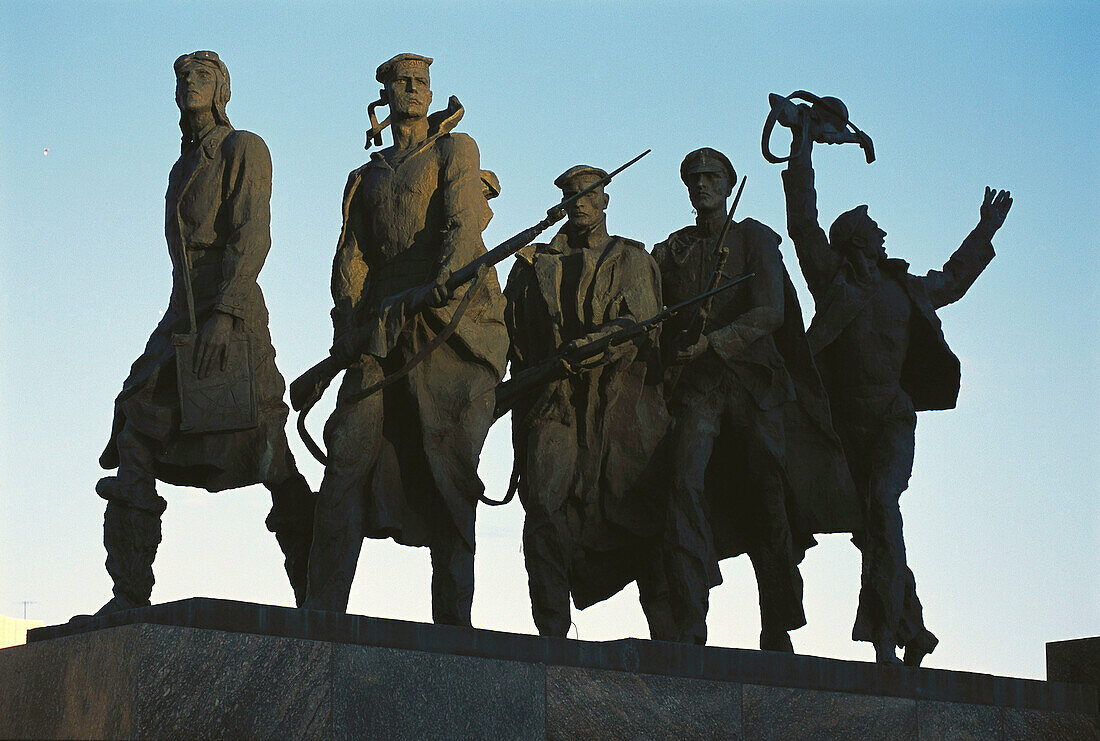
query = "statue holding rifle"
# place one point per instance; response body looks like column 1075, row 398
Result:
column 883, row 357
column 203, row 405
column 402, row 463
column 586, row 440
column 744, row 393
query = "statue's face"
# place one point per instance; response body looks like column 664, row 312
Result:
column 871, row 239
column 587, row 212
column 407, row 91
column 708, row 190
column 195, row 86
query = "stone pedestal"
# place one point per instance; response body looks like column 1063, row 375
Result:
column 1076, row 661
column 204, row 668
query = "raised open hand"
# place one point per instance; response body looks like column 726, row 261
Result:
column 995, row 208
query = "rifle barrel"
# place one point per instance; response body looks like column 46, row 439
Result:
column 548, row 370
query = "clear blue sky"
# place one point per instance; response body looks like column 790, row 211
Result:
column 1002, row 514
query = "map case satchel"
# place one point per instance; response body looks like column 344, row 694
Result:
column 225, row 400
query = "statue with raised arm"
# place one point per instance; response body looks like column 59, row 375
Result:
column 586, row 443
column 402, row 463
column 754, row 464
column 203, row 405
column 882, row 355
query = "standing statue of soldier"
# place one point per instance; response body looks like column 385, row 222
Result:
column 218, row 231
column 585, row 445
column 883, row 357
column 746, row 395
column 402, row 463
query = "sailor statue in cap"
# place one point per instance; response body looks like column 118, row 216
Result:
column 402, row 464
column 218, row 231
column 585, row 446
column 742, row 389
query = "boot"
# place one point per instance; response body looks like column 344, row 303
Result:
column 886, row 653
column 658, row 614
column 922, row 644
column 131, row 536
column 776, row 640
column 291, row 519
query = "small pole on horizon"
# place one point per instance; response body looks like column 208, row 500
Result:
column 25, row 603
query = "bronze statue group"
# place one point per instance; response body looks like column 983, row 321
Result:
column 649, row 442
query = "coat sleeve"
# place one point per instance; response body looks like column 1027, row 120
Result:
column 766, row 291
column 660, row 253
column 247, row 210
column 650, row 299
column 515, row 294
column 818, row 260
column 948, row 285
column 349, row 268
column 641, row 297
column 463, row 199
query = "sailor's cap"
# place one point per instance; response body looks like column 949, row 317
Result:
column 382, row 74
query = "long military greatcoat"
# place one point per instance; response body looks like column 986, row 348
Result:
column 615, row 412
column 217, row 208
column 778, row 371
column 403, row 217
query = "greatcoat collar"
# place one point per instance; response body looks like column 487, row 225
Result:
column 682, row 242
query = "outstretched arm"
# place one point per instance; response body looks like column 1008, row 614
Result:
column 950, row 284
column 818, row 260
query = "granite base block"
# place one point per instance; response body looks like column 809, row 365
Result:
column 813, row 714
column 218, row 669
column 954, row 721
column 612, row 705
column 394, row 694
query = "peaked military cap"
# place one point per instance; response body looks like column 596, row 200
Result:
column 382, row 74
column 707, row 160
column 575, row 172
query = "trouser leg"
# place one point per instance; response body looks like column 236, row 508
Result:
column 653, row 594
column 690, row 562
column 131, row 523
column 291, row 520
column 452, row 570
column 451, row 399
column 352, row 437
column 891, row 605
column 889, row 611
column 777, row 576
column 546, row 558
column 549, row 472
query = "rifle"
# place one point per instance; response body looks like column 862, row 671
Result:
column 691, row 335
column 308, row 388
column 558, row 367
